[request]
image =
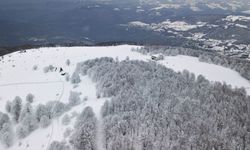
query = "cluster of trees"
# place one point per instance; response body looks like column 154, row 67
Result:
column 84, row 135
column 28, row 119
column 240, row 65
column 55, row 145
column 153, row 107
column 49, row 68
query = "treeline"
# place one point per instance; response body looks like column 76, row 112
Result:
column 155, row 108
column 240, row 65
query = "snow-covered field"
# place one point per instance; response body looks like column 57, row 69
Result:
column 18, row 78
column 175, row 25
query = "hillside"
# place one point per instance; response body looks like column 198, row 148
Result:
column 85, row 90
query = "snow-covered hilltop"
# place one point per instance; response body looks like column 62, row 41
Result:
column 76, row 97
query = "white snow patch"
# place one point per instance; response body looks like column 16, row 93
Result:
column 167, row 6
column 241, row 26
column 175, row 25
column 233, row 18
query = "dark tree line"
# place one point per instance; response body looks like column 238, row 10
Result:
column 240, row 65
column 155, row 108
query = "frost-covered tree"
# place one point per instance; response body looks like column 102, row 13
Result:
column 66, row 120
column 27, row 121
column 55, row 145
column 74, row 98
column 86, row 115
column 42, row 110
column 49, row 68
column 56, row 108
column 85, row 131
column 16, row 108
column 67, row 62
column 46, row 69
column 30, row 98
column 7, row 134
column 26, row 110
column 22, row 131
column 4, row 118
column 75, row 78
column 8, row 106
column 45, row 121
column 6, row 131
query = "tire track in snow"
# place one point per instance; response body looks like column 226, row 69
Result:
column 29, row 83
column 52, row 128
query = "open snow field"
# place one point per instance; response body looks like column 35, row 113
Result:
column 18, row 78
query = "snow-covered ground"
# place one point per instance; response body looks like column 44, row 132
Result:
column 234, row 18
column 175, row 25
column 167, row 6
column 18, row 78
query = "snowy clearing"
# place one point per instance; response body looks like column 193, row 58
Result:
column 210, row 71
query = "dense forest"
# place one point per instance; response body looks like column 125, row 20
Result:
column 153, row 107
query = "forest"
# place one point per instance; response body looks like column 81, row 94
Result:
column 153, row 107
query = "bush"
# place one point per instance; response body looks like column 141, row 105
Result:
column 30, row 98
column 49, row 68
column 35, row 67
column 75, row 78
column 67, row 62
